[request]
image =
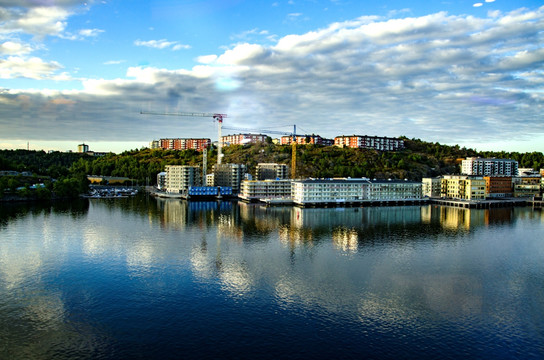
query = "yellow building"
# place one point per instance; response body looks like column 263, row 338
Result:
column 463, row 187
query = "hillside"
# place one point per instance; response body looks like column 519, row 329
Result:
column 419, row 159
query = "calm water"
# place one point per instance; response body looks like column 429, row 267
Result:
column 151, row 279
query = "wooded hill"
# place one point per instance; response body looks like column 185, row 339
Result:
column 419, row 159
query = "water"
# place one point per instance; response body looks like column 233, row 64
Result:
column 143, row 278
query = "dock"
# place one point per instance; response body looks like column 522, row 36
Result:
column 480, row 204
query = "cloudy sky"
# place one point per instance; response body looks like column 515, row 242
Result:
column 456, row 72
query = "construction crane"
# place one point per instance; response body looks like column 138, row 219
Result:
column 293, row 143
column 215, row 116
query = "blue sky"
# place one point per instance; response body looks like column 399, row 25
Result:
column 464, row 72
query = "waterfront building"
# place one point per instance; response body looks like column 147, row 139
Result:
column 184, row 144
column 394, row 190
column 229, row 175
column 489, row 167
column 431, row 186
column 161, row 180
column 242, row 139
column 527, row 186
column 323, row 191
column 209, row 179
column 266, row 171
column 180, row 177
column 265, row 189
column 369, row 142
column 306, row 139
column 463, row 187
column 498, row 186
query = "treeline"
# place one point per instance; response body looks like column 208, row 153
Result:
column 52, row 175
column 419, row 159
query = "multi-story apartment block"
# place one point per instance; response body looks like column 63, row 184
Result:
column 369, row 142
column 315, row 192
column 241, row 139
column 431, row 186
column 321, row 191
column 526, row 186
column 489, row 167
column 498, row 186
column 265, row 189
column 391, row 190
column 161, row 180
column 307, row 139
column 183, row 144
column 155, row 144
column 463, row 187
column 266, row 171
column 82, row 148
column 229, row 175
column 180, row 177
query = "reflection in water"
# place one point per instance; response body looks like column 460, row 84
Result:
column 145, row 277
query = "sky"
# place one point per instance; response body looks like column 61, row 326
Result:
column 455, row 72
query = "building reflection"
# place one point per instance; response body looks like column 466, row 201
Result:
column 454, row 218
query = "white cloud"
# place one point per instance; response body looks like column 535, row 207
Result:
column 32, row 68
column 90, row 32
column 453, row 79
column 161, row 44
column 14, row 48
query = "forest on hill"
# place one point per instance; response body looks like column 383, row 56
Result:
column 419, row 159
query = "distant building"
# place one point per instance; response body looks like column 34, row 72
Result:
column 369, row 142
column 271, row 171
column 489, row 167
column 528, row 172
column 182, row 144
column 110, row 180
column 306, row 139
column 180, row 177
column 242, row 139
column 82, row 148
column 155, row 144
column 229, row 175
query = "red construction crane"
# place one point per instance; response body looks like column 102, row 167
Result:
column 215, row 116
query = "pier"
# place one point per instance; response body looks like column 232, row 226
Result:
column 480, row 204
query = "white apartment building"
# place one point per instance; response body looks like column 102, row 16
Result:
column 315, row 192
column 265, row 189
column 431, row 186
column 161, row 180
column 272, row 171
column 489, row 167
column 369, row 142
column 241, row 139
column 180, row 177
column 391, row 190
column 306, row 192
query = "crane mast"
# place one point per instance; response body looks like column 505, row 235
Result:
column 215, row 116
column 293, row 143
